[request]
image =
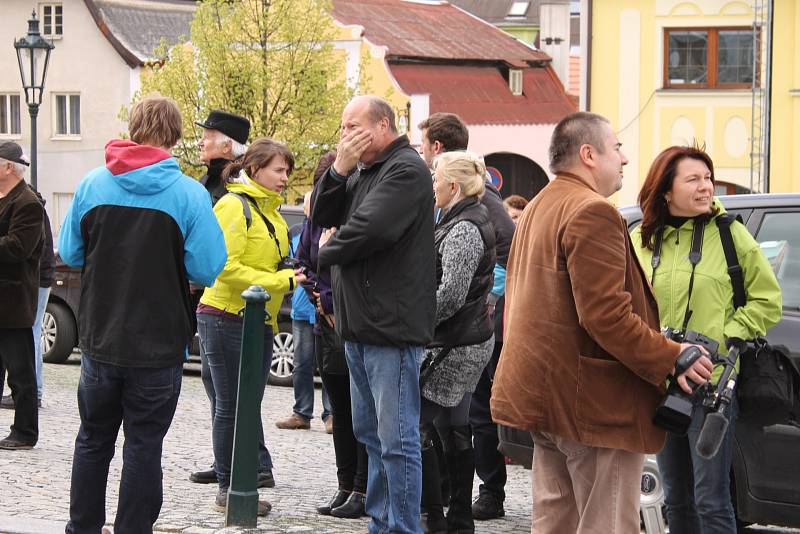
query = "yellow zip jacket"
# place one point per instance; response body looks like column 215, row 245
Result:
column 253, row 253
column 712, row 295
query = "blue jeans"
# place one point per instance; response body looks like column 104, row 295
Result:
column 220, row 345
column 384, row 391
column 44, row 294
column 303, row 373
column 697, row 491
column 143, row 400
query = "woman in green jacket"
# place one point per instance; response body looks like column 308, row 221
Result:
column 678, row 195
column 257, row 242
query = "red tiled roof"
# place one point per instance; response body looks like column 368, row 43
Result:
column 480, row 95
column 432, row 30
column 574, row 75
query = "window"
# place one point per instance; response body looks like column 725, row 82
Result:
column 518, row 9
column 709, row 58
column 515, row 81
column 9, row 114
column 67, row 115
column 780, row 241
column 52, row 20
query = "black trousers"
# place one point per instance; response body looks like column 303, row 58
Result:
column 489, row 463
column 17, row 356
column 351, row 455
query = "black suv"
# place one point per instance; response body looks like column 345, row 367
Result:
column 60, row 325
column 766, row 471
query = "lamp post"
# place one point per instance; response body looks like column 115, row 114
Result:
column 33, row 55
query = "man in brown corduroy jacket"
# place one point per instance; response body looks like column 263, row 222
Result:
column 583, row 365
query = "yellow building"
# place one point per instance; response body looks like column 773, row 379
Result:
column 675, row 72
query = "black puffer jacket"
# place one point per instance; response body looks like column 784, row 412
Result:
column 382, row 259
column 47, row 262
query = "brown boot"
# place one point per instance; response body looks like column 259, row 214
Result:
column 294, row 422
column 329, row 424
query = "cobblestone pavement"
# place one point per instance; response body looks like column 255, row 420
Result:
column 34, row 485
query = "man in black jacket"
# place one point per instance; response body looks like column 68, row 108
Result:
column 21, row 227
column 444, row 132
column 378, row 194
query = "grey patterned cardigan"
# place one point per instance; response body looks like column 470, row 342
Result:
column 461, row 251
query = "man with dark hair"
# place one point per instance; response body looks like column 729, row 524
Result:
column 378, row 194
column 136, row 318
column 21, row 227
column 586, row 370
column 444, row 132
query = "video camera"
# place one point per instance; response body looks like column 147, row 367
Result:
column 674, row 414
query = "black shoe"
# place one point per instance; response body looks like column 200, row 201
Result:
column 487, row 506
column 221, row 503
column 265, row 479
column 353, row 508
column 337, row 500
column 7, row 402
column 204, row 477
column 13, row 444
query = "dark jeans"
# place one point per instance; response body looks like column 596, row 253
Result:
column 143, row 400
column 351, row 456
column 696, row 491
column 17, row 357
column 220, row 345
column 303, row 372
column 489, row 463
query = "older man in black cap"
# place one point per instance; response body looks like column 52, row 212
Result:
column 224, row 139
column 21, row 234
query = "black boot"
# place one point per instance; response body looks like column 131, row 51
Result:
column 353, row 507
column 461, row 466
column 337, row 500
column 432, row 519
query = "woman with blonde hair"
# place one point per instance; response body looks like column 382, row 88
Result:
column 463, row 339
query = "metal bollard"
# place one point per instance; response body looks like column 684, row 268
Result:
column 242, row 508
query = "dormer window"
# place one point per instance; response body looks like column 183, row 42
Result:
column 518, row 9
column 515, row 81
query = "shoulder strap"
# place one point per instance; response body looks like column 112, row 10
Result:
column 732, row 259
column 270, row 226
column 248, row 215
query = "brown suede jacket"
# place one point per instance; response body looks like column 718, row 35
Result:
column 583, row 357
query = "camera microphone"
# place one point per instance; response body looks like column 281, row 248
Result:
column 711, row 435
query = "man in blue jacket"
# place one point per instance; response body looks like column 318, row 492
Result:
column 140, row 230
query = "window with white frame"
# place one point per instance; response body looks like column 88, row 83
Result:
column 9, row 114
column 515, row 81
column 67, row 119
column 52, row 20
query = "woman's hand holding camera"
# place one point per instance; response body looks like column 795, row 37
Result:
column 698, row 372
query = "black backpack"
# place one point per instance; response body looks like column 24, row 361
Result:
column 768, row 380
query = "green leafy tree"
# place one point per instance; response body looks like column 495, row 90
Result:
column 271, row 61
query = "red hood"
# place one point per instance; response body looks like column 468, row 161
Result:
column 123, row 155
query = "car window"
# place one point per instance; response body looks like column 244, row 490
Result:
column 780, row 241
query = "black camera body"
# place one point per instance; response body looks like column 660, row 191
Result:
column 674, row 414
column 288, row 263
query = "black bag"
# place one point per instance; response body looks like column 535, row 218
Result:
column 766, row 385
column 766, row 388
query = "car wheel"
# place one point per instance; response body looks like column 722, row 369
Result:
column 651, row 504
column 59, row 333
column 280, row 372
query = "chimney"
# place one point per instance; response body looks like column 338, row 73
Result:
column 554, row 32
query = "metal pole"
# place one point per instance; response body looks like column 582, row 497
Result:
column 33, row 109
column 242, row 508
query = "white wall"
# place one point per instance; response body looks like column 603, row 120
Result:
column 529, row 140
column 84, row 62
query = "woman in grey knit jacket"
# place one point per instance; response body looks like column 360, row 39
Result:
column 464, row 337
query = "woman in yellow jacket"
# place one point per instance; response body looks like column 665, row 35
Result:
column 256, row 249
column 677, row 201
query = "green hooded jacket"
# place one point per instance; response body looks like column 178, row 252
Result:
column 712, row 296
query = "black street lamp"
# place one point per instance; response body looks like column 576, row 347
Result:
column 33, row 55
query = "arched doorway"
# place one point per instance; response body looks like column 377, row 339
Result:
column 516, row 174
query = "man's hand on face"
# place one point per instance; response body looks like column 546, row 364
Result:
column 351, row 147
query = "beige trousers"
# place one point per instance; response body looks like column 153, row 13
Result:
column 583, row 489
